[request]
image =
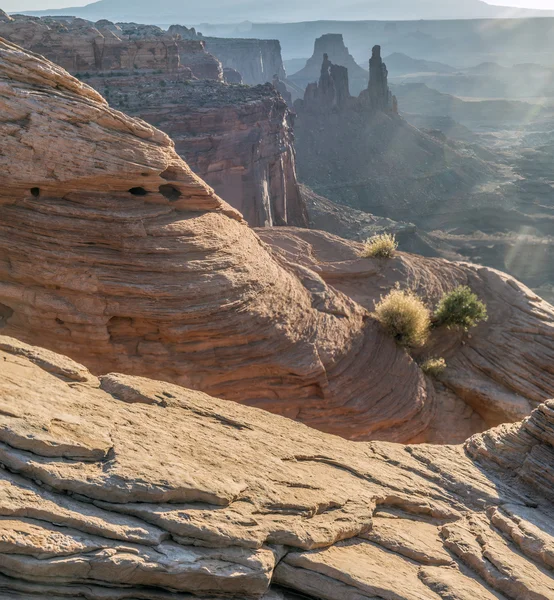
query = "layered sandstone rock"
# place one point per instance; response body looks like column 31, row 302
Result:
column 82, row 47
column 126, row 488
column 238, row 139
column 114, row 252
column 497, row 373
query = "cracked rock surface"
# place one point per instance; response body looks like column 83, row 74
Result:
column 123, row 488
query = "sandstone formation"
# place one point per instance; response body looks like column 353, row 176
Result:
column 497, row 373
column 125, row 488
column 331, row 44
column 82, row 47
column 144, row 270
column 359, row 152
column 238, row 139
column 114, row 252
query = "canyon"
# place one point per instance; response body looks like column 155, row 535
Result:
column 145, row 270
column 239, row 139
column 192, row 407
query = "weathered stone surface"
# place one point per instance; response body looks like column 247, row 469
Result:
column 145, row 270
column 238, row 139
column 113, row 252
column 497, row 373
column 83, row 47
column 203, row 497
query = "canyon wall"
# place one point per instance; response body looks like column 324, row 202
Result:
column 239, row 139
column 357, row 151
column 82, row 47
column 113, row 251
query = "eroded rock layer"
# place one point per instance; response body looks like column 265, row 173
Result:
column 238, row 139
column 85, row 48
column 126, row 488
column 497, row 373
column 113, row 252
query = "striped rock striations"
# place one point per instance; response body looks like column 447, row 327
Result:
column 238, row 139
column 124, row 488
column 113, row 252
column 497, row 373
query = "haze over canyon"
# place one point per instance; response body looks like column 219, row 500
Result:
column 275, row 301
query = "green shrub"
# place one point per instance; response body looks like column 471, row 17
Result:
column 460, row 308
column 433, row 366
column 404, row 316
column 380, row 246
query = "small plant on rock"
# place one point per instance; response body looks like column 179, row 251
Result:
column 433, row 366
column 460, row 308
column 383, row 245
column 404, row 316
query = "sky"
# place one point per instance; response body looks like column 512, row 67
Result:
column 17, row 5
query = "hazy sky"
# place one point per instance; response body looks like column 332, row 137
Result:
column 16, row 5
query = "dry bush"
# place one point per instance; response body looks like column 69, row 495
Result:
column 460, row 308
column 404, row 316
column 433, row 366
column 380, row 246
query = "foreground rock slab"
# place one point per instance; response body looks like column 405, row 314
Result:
column 121, row 487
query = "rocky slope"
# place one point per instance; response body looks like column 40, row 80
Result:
column 237, row 138
column 113, row 252
column 501, row 370
column 126, row 488
column 357, row 151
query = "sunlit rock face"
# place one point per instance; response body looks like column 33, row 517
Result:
column 85, row 48
column 126, row 488
column 237, row 138
column 114, row 252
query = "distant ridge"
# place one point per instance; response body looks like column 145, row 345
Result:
column 230, row 11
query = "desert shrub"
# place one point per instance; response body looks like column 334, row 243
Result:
column 380, row 246
column 433, row 366
column 460, row 308
column 404, row 316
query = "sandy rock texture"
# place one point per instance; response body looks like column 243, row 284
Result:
column 120, row 487
column 237, row 138
column 497, row 373
column 114, row 253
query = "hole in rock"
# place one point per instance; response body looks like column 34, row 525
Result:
column 59, row 321
column 170, row 192
column 35, row 192
column 138, row 191
column 5, row 313
column 171, row 174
